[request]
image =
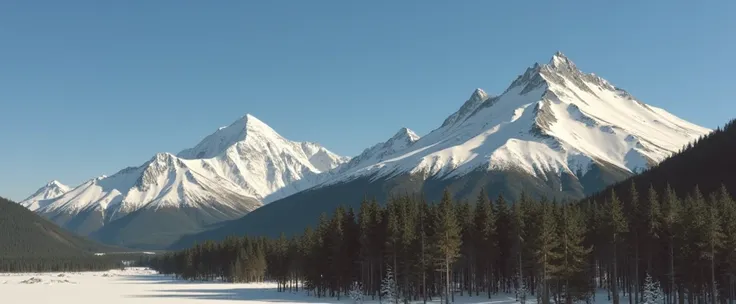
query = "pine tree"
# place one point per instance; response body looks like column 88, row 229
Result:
column 547, row 253
column 393, row 231
column 356, row 292
column 447, row 238
column 652, row 292
column 671, row 218
column 616, row 227
column 517, row 236
column 727, row 208
column 570, row 268
column 521, row 290
column 714, row 238
column 652, row 218
column 485, row 227
column 503, row 243
column 389, row 289
column 367, row 218
column 423, row 228
column 467, row 247
column 337, row 251
column 637, row 222
column 322, row 251
column 351, row 247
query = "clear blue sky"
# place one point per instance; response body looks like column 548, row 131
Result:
column 90, row 87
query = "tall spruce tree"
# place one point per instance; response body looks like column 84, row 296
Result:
column 518, row 243
column 485, row 227
column 617, row 226
column 637, row 221
column 570, row 268
column 467, row 249
column 547, row 252
column 726, row 206
column 504, row 259
column 408, row 218
column 393, row 234
column 714, row 238
column 652, row 217
column 671, row 217
column 447, row 238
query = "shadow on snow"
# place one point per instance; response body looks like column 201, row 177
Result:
column 258, row 294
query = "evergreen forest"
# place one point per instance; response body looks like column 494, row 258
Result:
column 534, row 248
column 674, row 225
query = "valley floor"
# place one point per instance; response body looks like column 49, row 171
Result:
column 144, row 286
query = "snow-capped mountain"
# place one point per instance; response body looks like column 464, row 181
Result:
column 164, row 181
column 228, row 174
column 552, row 119
column 259, row 160
column 51, row 190
column 554, row 132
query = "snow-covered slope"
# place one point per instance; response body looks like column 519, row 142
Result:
column 552, row 119
column 402, row 140
column 51, row 190
column 164, row 181
column 226, row 175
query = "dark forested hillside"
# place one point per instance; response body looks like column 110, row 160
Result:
column 291, row 214
column 708, row 163
column 29, row 242
column 26, row 234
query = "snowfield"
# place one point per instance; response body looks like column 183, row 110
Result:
column 139, row 285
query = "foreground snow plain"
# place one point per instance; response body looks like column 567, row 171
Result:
column 144, row 286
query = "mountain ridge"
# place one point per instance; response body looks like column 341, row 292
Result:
column 539, row 102
column 555, row 131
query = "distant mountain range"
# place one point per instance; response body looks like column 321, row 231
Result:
column 555, row 131
column 228, row 174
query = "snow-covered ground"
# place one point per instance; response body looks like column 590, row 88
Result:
column 144, row 286
column 138, row 285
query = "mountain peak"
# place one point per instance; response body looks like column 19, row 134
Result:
column 559, row 55
column 217, row 142
column 55, row 183
column 478, row 95
column 559, row 66
column 250, row 118
column 475, row 100
column 51, row 190
column 405, row 133
column 251, row 123
column 559, row 60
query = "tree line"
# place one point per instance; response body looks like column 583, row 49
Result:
column 534, row 247
column 59, row 264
